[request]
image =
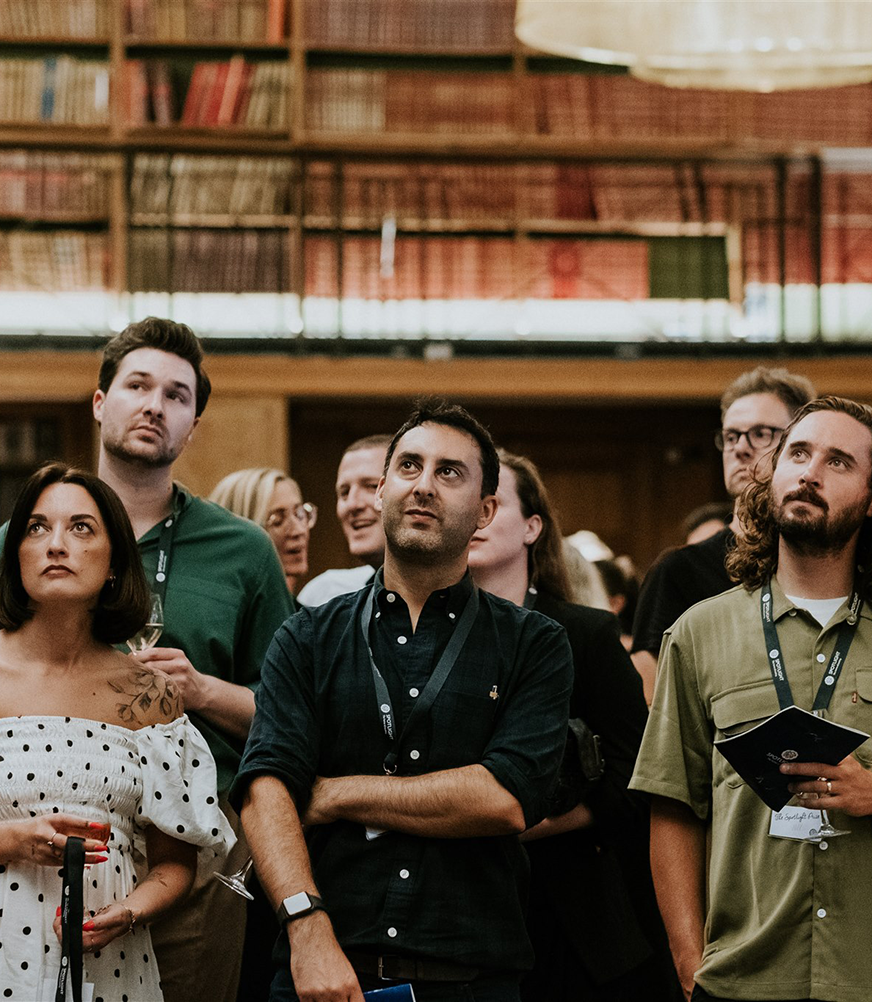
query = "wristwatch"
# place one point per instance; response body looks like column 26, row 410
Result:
column 298, row 905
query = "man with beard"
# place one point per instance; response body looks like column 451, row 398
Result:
column 223, row 594
column 753, row 911
column 415, row 727
column 755, row 409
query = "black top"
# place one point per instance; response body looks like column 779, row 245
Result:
column 597, row 880
column 458, row 900
column 679, row 579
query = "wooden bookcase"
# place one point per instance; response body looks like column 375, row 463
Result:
column 260, row 145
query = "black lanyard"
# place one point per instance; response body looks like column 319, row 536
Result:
column 164, row 551
column 72, row 909
column 434, row 684
column 837, row 660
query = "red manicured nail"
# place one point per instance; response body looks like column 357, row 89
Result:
column 96, row 824
column 58, row 912
column 101, row 859
column 101, row 848
column 88, row 926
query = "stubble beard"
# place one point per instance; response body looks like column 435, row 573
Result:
column 153, row 458
column 447, row 540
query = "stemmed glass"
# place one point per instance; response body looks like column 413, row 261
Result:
column 236, row 881
column 149, row 635
column 826, row 830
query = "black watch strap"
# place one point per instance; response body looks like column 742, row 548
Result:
column 297, row 906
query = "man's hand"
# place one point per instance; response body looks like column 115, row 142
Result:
column 192, row 685
column 320, row 969
column 844, row 787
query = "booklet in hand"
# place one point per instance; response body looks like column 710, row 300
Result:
column 396, row 993
column 792, row 735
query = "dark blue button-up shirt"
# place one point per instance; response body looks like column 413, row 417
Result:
column 504, row 705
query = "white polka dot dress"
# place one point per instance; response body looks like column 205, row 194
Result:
column 162, row 775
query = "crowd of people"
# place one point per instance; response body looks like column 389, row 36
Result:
column 480, row 760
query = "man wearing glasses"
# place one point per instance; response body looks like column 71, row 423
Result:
column 755, row 410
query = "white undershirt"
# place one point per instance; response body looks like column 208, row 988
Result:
column 822, row 609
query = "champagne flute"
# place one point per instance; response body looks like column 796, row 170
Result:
column 149, row 635
column 236, row 881
column 826, row 830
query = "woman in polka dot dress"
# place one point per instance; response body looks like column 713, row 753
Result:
column 92, row 744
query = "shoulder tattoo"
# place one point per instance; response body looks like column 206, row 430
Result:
column 148, row 695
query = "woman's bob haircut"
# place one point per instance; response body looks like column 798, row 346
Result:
column 123, row 604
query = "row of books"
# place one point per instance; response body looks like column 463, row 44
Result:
column 580, row 106
column 58, row 89
column 215, row 20
column 205, row 260
column 424, row 194
column 416, row 25
column 55, row 18
column 232, row 93
column 180, row 186
column 53, row 261
column 37, row 184
column 477, row 268
column 355, row 100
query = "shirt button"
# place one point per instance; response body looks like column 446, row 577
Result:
column 451, row 615
column 413, row 693
column 792, row 612
column 821, row 913
column 404, row 874
column 391, row 597
column 401, row 640
column 821, row 658
column 824, row 845
column 378, row 615
column 414, row 754
column 392, row 932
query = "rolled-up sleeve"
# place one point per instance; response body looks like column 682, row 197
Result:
column 284, row 737
column 675, row 758
column 526, row 748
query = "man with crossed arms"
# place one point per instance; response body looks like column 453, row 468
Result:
column 416, row 726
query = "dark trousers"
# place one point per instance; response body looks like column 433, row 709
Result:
column 481, row 990
column 701, row 995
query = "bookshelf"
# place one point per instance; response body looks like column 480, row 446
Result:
column 396, row 150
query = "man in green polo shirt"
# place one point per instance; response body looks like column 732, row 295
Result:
column 224, row 596
column 763, row 914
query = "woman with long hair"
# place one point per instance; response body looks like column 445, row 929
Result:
column 593, row 918
column 274, row 501
column 93, row 745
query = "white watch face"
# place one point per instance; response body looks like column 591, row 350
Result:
column 297, row 903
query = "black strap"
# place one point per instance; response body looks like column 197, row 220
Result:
column 164, row 552
column 837, row 659
column 434, row 683
column 72, row 910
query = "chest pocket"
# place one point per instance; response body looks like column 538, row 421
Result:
column 735, row 711
column 862, row 717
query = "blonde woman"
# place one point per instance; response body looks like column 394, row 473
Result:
column 273, row 500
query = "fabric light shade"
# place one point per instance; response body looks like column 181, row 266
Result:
column 717, row 44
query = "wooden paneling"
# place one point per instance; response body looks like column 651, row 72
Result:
column 234, row 433
column 68, row 376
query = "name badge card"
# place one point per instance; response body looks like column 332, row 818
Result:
column 797, row 823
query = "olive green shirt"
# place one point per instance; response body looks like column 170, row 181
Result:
column 784, row 919
column 226, row 597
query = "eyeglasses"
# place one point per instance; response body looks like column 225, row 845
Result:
column 759, row 437
column 305, row 513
